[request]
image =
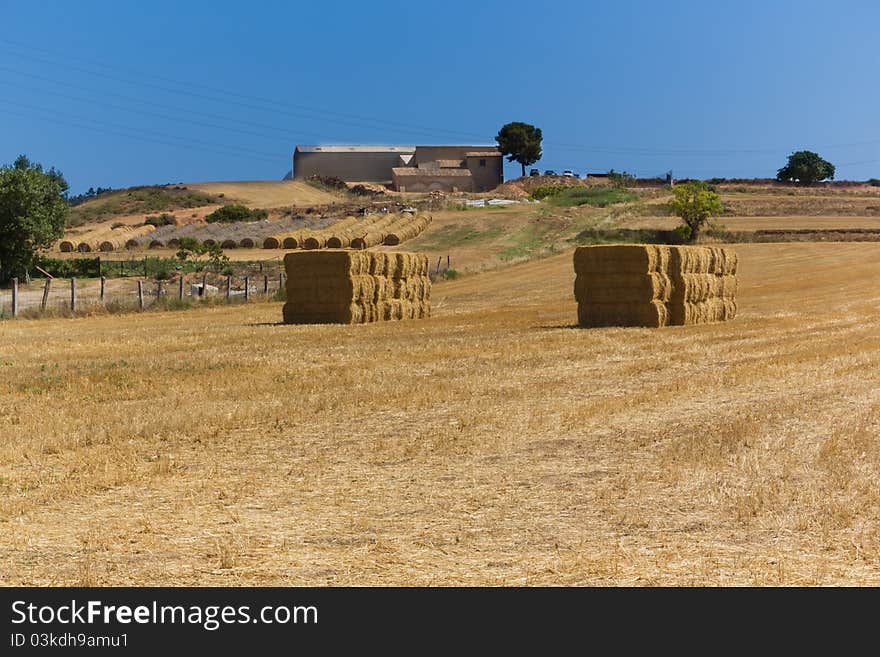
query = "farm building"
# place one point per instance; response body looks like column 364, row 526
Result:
column 405, row 168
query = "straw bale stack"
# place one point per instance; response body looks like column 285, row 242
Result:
column 354, row 287
column 654, row 286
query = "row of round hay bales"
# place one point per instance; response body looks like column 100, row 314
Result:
column 374, row 234
column 354, row 232
column 408, row 230
column 105, row 239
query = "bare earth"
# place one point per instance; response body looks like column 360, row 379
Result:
column 491, row 444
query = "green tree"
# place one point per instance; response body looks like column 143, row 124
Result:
column 520, row 142
column 695, row 203
column 33, row 209
column 805, row 168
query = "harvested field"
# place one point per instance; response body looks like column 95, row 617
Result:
column 493, row 443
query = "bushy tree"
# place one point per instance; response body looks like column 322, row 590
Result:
column 235, row 213
column 695, row 202
column 806, row 168
column 520, row 142
column 32, row 214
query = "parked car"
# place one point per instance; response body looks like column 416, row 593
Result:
column 534, row 172
column 568, row 173
column 549, row 172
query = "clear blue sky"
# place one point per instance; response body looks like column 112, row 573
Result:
column 123, row 93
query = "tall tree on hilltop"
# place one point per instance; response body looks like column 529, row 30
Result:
column 520, row 142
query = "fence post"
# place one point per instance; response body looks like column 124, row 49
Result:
column 46, row 294
column 228, row 287
column 204, row 285
column 73, row 295
column 140, row 295
column 158, row 291
column 180, row 288
column 15, row 297
column 103, row 289
column 247, row 292
column 281, row 281
column 266, row 285
column 439, row 260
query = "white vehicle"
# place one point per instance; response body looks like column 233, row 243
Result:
column 568, row 173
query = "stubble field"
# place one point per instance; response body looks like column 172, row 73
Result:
column 492, row 444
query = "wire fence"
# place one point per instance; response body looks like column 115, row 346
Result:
column 69, row 297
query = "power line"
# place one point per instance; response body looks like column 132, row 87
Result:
column 324, row 114
column 132, row 134
column 225, row 93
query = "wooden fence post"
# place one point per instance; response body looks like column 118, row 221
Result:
column 140, row 295
column 180, row 289
column 73, row 295
column 228, row 287
column 158, row 291
column 247, row 291
column 15, row 297
column 204, row 285
column 281, row 281
column 266, row 285
column 439, row 260
column 46, row 294
column 103, row 289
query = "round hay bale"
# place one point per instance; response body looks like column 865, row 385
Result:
column 107, row 245
column 246, row 243
column 229, row 244
column 157, row 244
column 131, row 244
column 209, row 242
column 271, row 242
column 290, row 242
column 66, row 246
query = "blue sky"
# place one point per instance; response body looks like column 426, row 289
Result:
column 123, row 93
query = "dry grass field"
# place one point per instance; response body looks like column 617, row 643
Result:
column 493, row 444
column 268, row 193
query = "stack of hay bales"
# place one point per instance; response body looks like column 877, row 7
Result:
column 654, row 286
column 409, row 228
column 355, row 287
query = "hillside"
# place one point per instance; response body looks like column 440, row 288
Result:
column 270, row 193
column 138, row 200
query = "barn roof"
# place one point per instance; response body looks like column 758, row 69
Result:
column 355, row 148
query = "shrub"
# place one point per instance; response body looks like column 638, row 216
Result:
column 327, row 182
column 621, row 179
column 235, row 213
column 164, row 219
column 544, row 191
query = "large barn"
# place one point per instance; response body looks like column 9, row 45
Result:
column 405, row 168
